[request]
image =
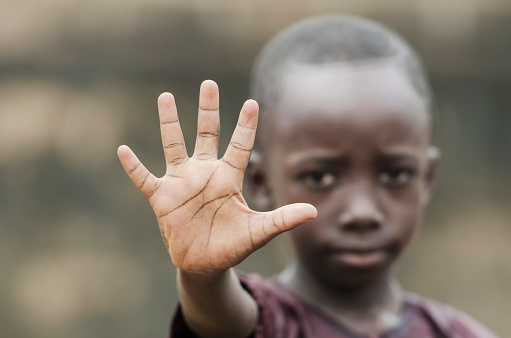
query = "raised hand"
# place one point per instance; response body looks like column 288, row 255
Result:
column 204, row 220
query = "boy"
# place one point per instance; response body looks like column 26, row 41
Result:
column 347, row 118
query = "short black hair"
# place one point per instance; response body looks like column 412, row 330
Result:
column 331, row 39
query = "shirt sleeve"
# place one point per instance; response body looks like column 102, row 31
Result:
column 450, row 321
column 178, row 326
column 277, row 315
column 280, row 314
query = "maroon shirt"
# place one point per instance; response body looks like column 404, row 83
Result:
column 283, row 315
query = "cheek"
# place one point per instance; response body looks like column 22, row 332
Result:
column 404, row 214
column 407, row 231
column 301, row 233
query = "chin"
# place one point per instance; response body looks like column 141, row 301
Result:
column 353, row 277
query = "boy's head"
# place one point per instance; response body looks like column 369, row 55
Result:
column 346, row 119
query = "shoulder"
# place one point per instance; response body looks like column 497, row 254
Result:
column 281, row 314
column 259, row 286
column 450, row 321
column 269, row 294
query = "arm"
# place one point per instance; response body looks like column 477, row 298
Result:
column 216, row 306
column 204, row 220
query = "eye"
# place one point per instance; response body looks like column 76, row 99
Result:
column 318, row 178
column 396, row 176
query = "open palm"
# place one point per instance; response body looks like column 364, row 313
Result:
column 203, row 217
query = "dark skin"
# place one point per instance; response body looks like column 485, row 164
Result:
column 363, row 224
column 364, row 161
column 204, row 220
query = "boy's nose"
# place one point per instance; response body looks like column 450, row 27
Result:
column 361, row 214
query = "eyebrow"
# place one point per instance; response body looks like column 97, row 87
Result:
column 400, row 154
column 315, row 156
column 336, row 157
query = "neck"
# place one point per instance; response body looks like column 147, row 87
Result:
column 372, row 307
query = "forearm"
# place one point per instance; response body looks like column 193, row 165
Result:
column 216, row 305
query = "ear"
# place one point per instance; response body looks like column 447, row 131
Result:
column 433, row 154
column 256, row 183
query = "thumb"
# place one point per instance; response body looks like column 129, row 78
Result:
column 287, row 217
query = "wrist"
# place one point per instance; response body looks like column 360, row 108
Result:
column 206, row 277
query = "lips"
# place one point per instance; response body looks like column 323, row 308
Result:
column 359, row 257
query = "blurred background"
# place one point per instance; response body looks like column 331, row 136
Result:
column 80, row 250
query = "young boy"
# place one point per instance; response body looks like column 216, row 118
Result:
column 347, row 118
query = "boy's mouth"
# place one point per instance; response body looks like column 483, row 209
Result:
column 360, row 257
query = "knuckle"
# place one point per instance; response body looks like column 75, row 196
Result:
column 173, row 145
column 131, row 171
column 207, row 134
column 144, row 180
column 166, row 123
column 230, row 164
column 240, row 146
column 246, row 127
column 209, row 109
column 177, row 160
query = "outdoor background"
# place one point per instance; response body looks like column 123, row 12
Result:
column 80, row 250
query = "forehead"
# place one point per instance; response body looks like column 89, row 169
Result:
column 367, row 102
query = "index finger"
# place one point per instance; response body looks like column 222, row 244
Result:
column 238, row 152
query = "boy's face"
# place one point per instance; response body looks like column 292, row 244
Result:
column 352, row 141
